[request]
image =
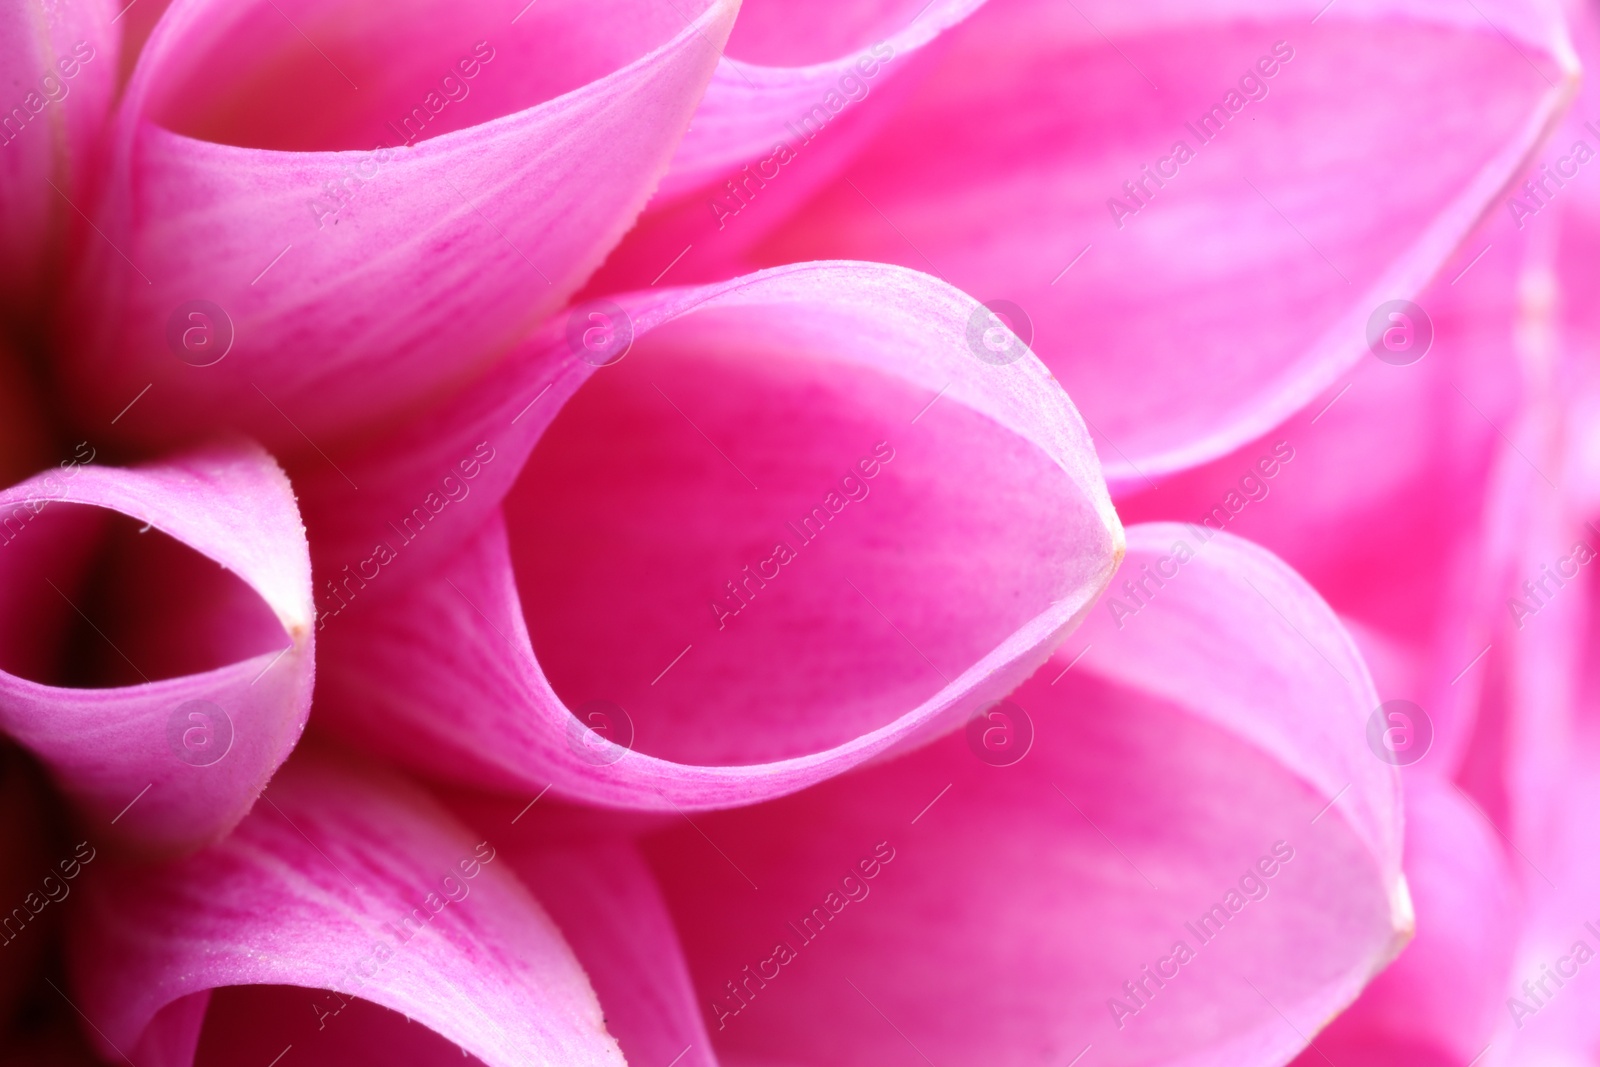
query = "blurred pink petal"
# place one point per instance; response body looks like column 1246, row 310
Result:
column 1557, row 1020
column 361, row 894
column 343, row 281
column 191, row 645
column 1442, row 1001
column 1395, row 457
column 938, row 909
column 967, row 529
column 1376, row 135
column 60, row 61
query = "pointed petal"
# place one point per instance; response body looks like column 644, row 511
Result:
column 204, row 669
column 258, row 232
column 1445, row 104
column 361, row 893
column 1441, row 1001
column 1409, row 455
column 782, row 60
column 942, row 909
column 744, row 416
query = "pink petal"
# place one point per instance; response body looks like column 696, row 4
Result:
column 193, row 682
column 789, row 74
column 321, row 889
column 62, row 58
column 980, row 913
column 1442, row 1000
column 607, row 904
column 1000, row 174
column 227, row 194
column 781, row 60
column 1560, row 1023
column 1409, row 456
column 980, row 533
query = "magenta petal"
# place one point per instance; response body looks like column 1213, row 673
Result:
column 745, row 415
column 608, row 906
column 961, row 906
column 199, row 676
column 339, row 281
column 60, row 63
column 362, row 893
column 1013, row 159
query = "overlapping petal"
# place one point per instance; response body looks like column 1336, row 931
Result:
column 160, row 673
column 1402, row 492
column 1441, row 1002
column 801, row 523
column 371, row 206
column 784, row 61
column 1186, row 784
column 1040, row 165
column 609, row 908
column 347, row 899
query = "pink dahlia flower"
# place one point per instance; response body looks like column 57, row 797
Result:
column 595, row 533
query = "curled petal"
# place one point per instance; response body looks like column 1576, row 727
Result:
column 1195, row 861
column 190, row 639
column 1129, row 131
column 349, row 893
column 802, row 523
column 61, row 65
column 260, row 231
